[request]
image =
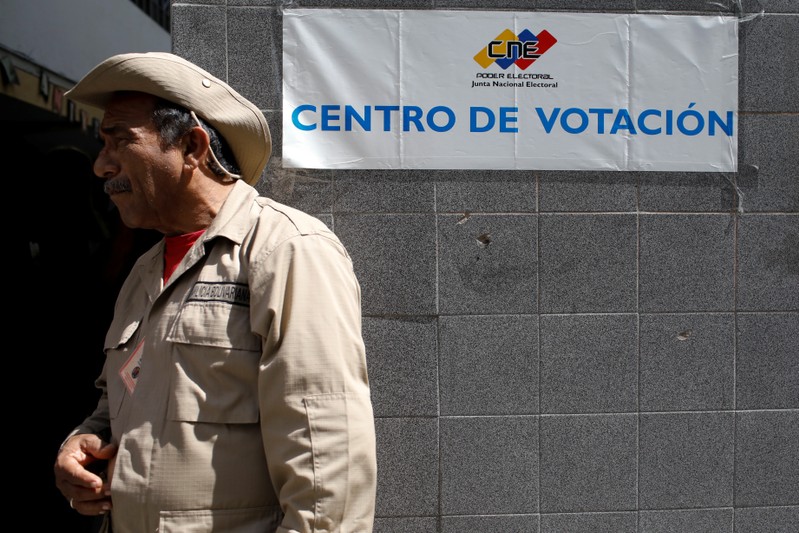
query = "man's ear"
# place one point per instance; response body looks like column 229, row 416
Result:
column 196, row 144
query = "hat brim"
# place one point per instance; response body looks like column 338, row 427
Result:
column 177, row 80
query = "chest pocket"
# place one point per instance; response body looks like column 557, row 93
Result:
column 214, row 365
column 120, row 343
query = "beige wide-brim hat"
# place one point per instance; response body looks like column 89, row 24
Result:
column 173, row 78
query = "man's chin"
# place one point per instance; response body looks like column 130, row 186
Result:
column 118, row 198
column 128, row 220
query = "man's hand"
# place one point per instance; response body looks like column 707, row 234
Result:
column 86, row 492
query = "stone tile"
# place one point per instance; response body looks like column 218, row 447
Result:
column 589, row 523
column 198, row 35
column 687, row 521
column 588, row 263
column 768, row 263
column 255, row 54
column 245, row 3
column 686, row 460
column 487, row 264
column 504, row 523
column 406, row 525
column 275, row 121
column 767, row 366
column 382, row 191
column 766, row 462
column 485, row 191
column 403, row 365
column 687, row 362
column 707, row 192
column 394, row 259
column 372, row 4
column 769, row 76
column 489, row 365
column 407, row 467
column 327, row 219
column 768, row 160
column 589, row 364
column 489, row 465
column 681, row 6
column 587, row 5
column 588, row 463
column 306, row 190
column 583, row 191
column 766, row 519
column 686, row 263
column 277, row 182
column 485, row 4
column 770, row 6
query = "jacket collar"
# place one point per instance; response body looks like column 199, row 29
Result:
column 229, row 222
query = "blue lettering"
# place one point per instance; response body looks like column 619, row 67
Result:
column 364, row 120
column 690, row 113
column 441, row 109
column 564, row 120
column 505, row 118
column 548, row 122
column 295, row 117
column 473, row 116
column 412, row 113
column 715, row 119
column 600, row 116
column 642, row 122
column 622, row 121
column 386, row 110
column 328, row 116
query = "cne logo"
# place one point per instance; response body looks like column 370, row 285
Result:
column 508, row 49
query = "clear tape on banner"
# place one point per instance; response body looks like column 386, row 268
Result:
column 740, row 10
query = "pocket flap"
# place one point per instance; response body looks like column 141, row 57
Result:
column 214, row 324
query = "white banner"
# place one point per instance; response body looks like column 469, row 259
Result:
column 503, row 90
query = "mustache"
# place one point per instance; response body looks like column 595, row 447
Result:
column 116, row 185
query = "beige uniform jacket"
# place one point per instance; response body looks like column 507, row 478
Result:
column 238, row 392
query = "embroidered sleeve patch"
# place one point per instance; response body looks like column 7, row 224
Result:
column 221, row 291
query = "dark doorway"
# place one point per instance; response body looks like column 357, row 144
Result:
column 69, row 256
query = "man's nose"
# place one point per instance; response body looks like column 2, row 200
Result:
column 105, row 166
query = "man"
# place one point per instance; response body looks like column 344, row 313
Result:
column 234, row 396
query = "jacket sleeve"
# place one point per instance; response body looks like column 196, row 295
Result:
column 316, row 412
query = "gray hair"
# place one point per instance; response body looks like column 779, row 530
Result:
column 174, row 121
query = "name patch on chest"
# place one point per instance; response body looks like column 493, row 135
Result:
column 220, row 291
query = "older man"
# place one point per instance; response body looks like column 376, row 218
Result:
column 234, row 396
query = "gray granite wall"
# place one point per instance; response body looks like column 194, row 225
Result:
column 568, row 351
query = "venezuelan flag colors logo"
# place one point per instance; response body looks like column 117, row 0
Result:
column 508, row 49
